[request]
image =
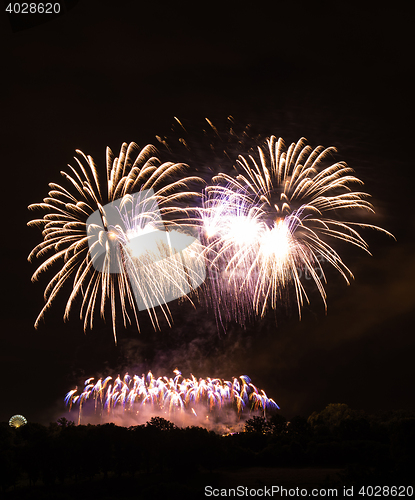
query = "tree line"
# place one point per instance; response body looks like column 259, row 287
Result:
column 369, row 449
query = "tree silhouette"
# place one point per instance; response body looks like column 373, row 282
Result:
column 258, row 425
column 277, row 424
column 161, row 424
column 331, row 416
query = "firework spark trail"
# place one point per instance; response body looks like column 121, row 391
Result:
column 169, row 395
column 272, row 223
column 261, row 232
column 66, row 241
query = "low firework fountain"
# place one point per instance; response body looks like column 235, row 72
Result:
column 172, row 397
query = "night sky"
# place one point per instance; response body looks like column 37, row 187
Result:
column 104, row 73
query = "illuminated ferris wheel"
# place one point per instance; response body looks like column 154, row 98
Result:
column 17, row 421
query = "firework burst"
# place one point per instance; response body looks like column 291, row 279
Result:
column 69, row 241
column 274, row 223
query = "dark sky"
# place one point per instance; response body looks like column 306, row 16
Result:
column 107, row 72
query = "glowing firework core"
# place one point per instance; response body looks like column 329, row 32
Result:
column 277, row 242
column 243, row 230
